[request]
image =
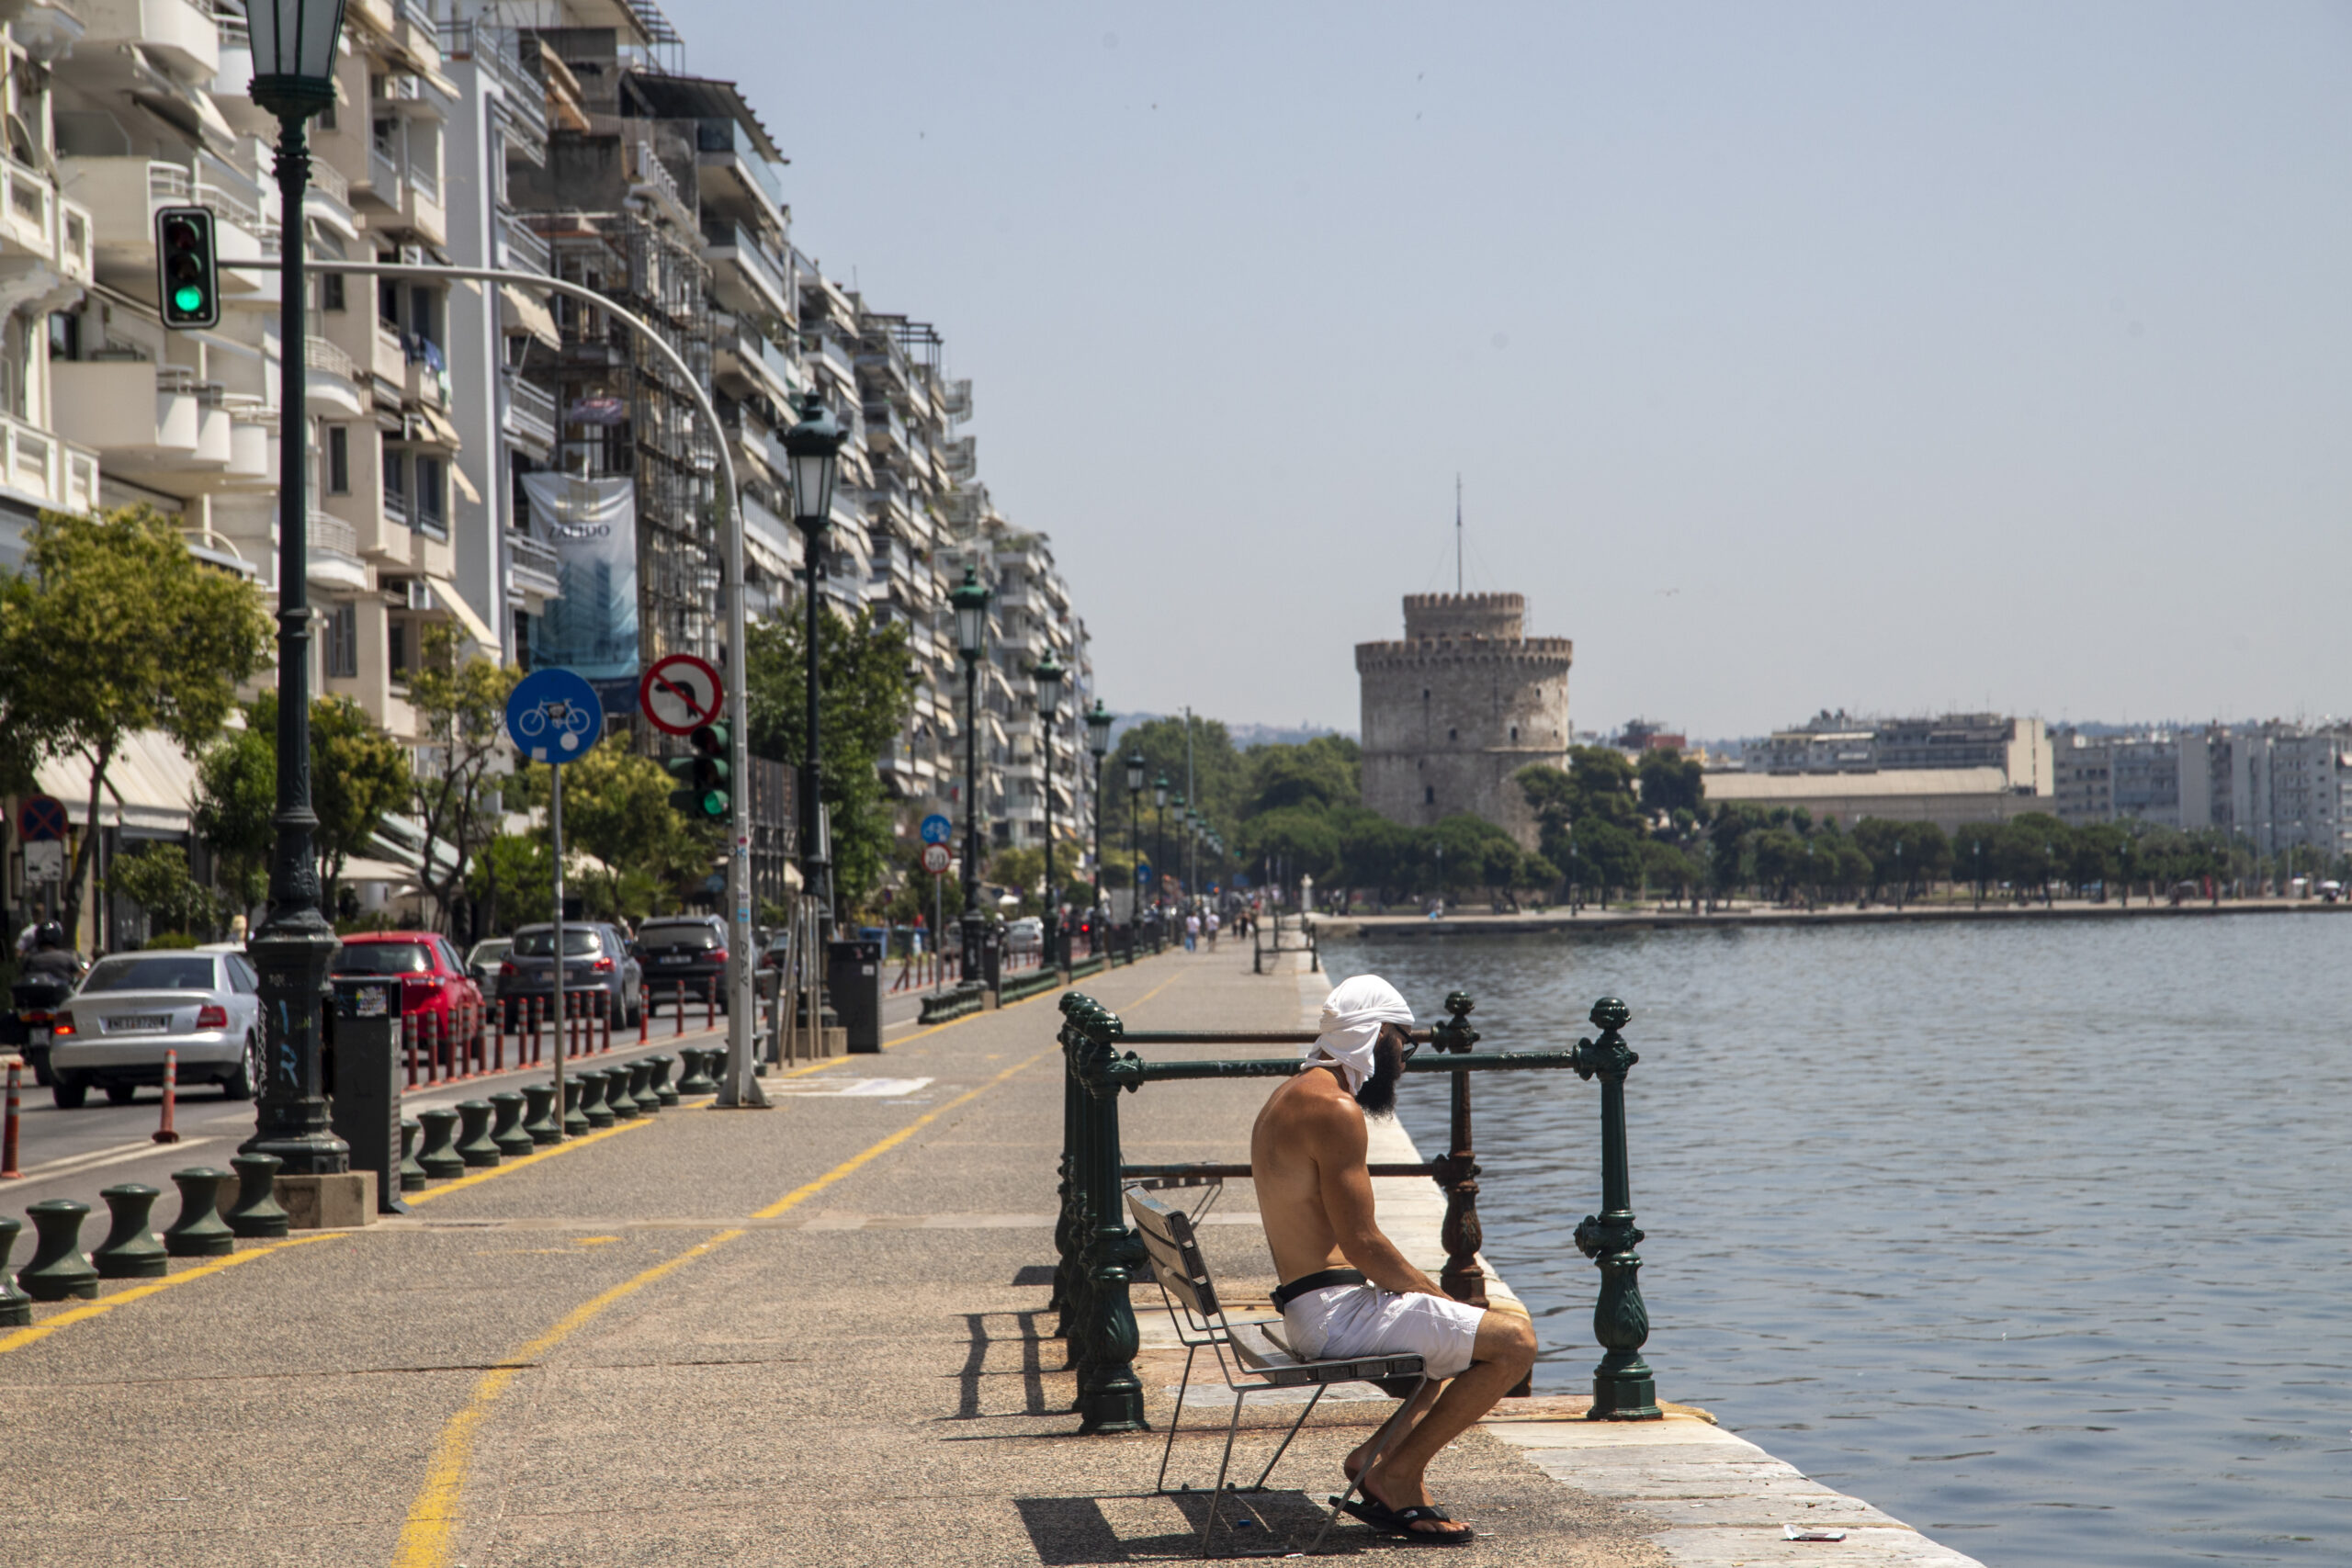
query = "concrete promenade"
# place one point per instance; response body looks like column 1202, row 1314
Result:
column 811, row 1334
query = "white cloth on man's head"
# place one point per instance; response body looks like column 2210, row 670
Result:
column 1353, row 1015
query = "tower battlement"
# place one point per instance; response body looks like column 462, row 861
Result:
column 1493, row 616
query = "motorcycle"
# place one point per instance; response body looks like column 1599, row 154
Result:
column 35, row 998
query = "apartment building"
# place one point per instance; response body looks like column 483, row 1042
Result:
column 2278, row 786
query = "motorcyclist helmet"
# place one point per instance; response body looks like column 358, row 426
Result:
column 51, row 935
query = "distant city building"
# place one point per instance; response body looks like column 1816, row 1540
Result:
column 1459, row 707
column 2279, row 785
column 1839, row 743
column 1641, row 734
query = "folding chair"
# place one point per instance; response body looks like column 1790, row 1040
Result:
column 1259, row 1360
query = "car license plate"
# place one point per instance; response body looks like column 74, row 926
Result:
column 678, row 958
column 137, row 1023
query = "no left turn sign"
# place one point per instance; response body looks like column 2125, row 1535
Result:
column 679, row 695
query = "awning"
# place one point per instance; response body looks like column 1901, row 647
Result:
column 525, row 314
column 149, row 786
column 446, row 594
column 437, row 428
column 465, row 486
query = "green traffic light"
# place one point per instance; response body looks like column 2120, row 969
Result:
column 187, row 299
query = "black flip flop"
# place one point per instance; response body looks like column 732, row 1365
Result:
column 1400, row 1521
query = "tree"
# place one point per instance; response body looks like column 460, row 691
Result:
column 357, row 775
column 1323, row 772
column 863, row 675
column 461, row 711
column 1671, row 781
column 116, row 629
column 156, row 879
column 512, row 883
column 236, row 805
column 616, row 812
column 1302, row 837
column 1220, row 780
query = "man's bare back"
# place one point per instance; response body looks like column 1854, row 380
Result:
column 1315, row 1197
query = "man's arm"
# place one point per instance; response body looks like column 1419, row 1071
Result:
column 1339, row 1144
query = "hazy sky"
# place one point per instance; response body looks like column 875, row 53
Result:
column 1793, row 355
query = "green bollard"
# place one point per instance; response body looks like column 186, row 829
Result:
column 473, row 1147
column 698, row 1064
column 413, row 1177
column 506, row 1133
column 641, row 1087
column 1623, row 1386
column 15, row 1307
column 539, row 1119
column 593, row 1104
column 59, row 1268
column 439, row 1157
column 255, row 1214
column 575, row 1123
column 130, row 1250
column 617, row 1098
column 663, row 1089
column 199, row 1232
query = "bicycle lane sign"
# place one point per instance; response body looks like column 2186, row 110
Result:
column 554, row 717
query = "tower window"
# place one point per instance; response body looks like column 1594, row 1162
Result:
column 1425, row 693
column 1454, row 735
column 1429, row 794
column 1514, row 732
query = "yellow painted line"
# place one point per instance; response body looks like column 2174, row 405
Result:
column 508, row 1167
column 428, row 1539
column 105, row 1304
column 799, row 1194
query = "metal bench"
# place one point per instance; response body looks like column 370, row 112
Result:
column 1259, row 1361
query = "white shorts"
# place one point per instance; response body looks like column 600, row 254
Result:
column 1340, row 1320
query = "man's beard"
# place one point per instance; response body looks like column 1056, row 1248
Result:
column 1378, row 1093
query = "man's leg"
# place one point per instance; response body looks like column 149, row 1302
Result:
column 1501, row 1356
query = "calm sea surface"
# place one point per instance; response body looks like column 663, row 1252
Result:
column 2040, row 1240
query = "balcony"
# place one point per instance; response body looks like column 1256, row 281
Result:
column 519, row 248
column 332, row 554
column 331, row 383
column 530, row 414
column 731, row 169
column 381, row 190
column 37, row 464
column 961, row 458
column 754, row 283
column 118, row 199
column 533, row 566
column 152, row 421
column 956, row 401
column 176, row 36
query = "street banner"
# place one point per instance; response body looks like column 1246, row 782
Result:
column 592, row 628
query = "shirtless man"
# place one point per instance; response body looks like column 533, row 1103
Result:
column 1346, row 1289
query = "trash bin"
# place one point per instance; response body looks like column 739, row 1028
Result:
column 365, row 1105
column 854, row 984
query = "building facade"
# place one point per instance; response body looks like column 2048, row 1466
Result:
column 1456, row 708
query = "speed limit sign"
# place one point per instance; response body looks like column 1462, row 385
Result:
column 935, row 857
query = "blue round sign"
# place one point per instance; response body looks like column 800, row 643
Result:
column 1143, row 873
column 554, row 716
column 937, row 829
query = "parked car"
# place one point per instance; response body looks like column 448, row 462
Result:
column 133, row 1007
column 598, row 964
column 688, row 950
column 1026, row 935
column 484, row 961
column 435, row 989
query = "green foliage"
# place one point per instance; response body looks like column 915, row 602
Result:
column 113, row 630
column 462, row 717
column 512, row 882
column 866, row 696
column 1220, row 778
column 1671, row 781
column 357, row 775
column 156, row 879
column 236, row 802
column 616, row 812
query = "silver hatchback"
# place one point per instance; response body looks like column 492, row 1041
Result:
column 133, row 1007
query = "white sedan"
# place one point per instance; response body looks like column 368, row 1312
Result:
column 133, row 1007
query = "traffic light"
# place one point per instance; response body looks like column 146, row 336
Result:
column 703, row 774
column 187, row 276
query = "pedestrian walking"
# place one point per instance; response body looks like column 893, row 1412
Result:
column 1209, row 925
column 1193, row 932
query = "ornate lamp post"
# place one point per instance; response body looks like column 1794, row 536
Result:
column 294, row 52
column 813, row 447
column 1159, row 838
column 1049, row 675
column 971, row 603
column 1098, row 742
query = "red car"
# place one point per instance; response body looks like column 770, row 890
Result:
column 434, row 980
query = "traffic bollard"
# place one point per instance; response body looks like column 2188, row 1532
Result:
column 60, row 1268
column 678, row 1011
column 575, row 1121
column 593, row 1104
column 497, row 1041
column 15, row 1307
column 663, row 1089
column 8, row 1170
column 408, row 1047
column 698, row 1064
column 474, row 1147
column 257, row 1212
column 507, row 1132
column 538, row 1118
column 642, row 1019
column 130, row 1250
column 165, row 1134
column 617, row 1098
column 605, row 1021
column 641, row 1087
column 199, row 1231
column 439, row 1157
column 413, row 1177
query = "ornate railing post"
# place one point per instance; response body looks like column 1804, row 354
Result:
column 1110, row 1399
column 1623, row 1387
column 1457, row 1169
column 1069, row 1225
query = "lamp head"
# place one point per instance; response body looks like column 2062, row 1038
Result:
column 970, row 599
column 294, row 49
column 1098, row 731
column 813, row 447
column 1049, row 676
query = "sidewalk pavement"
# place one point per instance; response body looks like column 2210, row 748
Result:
column 810, row 1335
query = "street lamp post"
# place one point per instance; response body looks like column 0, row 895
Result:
column 1049, row 674
column 1098, row 742
column 971, row 603
column 1160, row 844
column 813, row 447
column 294, row 55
